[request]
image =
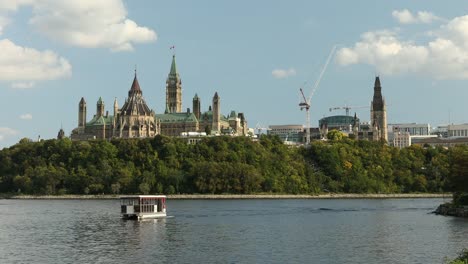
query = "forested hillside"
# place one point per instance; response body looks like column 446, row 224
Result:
column 227, row 165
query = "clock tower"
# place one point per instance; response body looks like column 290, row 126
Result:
column 173, row 90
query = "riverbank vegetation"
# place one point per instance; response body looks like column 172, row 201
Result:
column 461, row 259
column 234, row 165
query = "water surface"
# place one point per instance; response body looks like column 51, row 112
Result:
column 231, row 231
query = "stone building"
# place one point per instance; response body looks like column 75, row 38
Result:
column 174, row 122
column 377, row 128
column 379, row 112
column 136, row 120
column 133, row 120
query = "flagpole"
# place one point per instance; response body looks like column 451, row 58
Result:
column 173, row 49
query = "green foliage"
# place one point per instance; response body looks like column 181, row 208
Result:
column 335, row 135
column 461, row 259
column 372, row 167
column 228, row 165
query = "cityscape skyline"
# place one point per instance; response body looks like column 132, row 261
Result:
column 257, row 58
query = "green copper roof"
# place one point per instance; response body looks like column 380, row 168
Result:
column 177, row 117
column 100, row 100
column 208, row 115
column 196, row 97
column 99, row 121
column 173, row 67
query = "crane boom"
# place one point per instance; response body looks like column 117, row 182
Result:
column 324, row 68
column 347, row 108
column 306, row 103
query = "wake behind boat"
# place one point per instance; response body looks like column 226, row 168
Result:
column 143, row 206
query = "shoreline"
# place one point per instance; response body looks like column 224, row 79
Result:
column 242, row 196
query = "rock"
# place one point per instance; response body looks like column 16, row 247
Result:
column 452, row 210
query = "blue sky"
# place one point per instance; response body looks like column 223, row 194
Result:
column 255, row 54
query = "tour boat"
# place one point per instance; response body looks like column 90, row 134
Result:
column 143, row 206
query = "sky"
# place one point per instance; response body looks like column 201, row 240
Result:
column 255, row 54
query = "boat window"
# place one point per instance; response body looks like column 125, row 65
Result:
column 129, row 201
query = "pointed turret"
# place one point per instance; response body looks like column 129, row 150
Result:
column 135, row 87
column 173, row 71
column 174, row 89
column 377, row 82
column 196, row 106
column 355, row 127
column 216, row 126
column 377, row 102
column 116, row 107
column 100, row 107
column 379, row 111
column 82, row 113
column 134, row 104
column 61, row 134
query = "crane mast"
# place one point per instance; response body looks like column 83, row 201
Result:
column 305, row 105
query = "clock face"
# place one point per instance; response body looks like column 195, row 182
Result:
column 172, row 82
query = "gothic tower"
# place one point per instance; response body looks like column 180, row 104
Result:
column 379, row 111
column 216, row 113
column 355, row 127
column 196, row 106
column 82, row 113
column 100, row 108
column 173, row 90
column 116, row 108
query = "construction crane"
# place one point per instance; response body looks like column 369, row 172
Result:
column 305, row 104
column 260, row 127
column 347, row 108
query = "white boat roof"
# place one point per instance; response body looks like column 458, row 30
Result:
column 142, row 196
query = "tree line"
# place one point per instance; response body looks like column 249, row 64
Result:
column 234, row 165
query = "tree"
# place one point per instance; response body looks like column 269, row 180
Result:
column 335, row 135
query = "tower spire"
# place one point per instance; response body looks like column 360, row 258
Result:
column 173, row 71
column 379, row 112
column 174, row 89
column 135, row 85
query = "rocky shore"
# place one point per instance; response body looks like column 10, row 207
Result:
column 247, row 196
column 452, row 210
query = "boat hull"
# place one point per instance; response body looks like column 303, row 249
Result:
column 141, row 216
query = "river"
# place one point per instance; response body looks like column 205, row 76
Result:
column 231, row 231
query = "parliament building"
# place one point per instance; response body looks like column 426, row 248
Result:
column 136, row 120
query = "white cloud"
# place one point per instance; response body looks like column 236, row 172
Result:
column 445, row 56
column 26, row 116
column 22, row 85
column 6, row 132
column 9, row 6
column 89, row 24
column 13, row 5
column 4, row 21
column 26, row 64
column 421, row 17
column 82, row 23
column 280, row 73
